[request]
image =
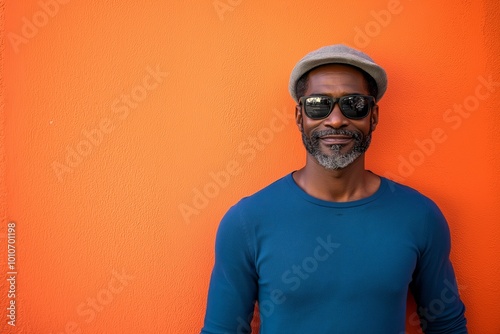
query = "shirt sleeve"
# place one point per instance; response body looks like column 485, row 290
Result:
column 434, row 286
column 233, row 285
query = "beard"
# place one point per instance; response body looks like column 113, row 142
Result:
column 336, row 160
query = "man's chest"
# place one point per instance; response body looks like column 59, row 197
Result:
column 336, row 260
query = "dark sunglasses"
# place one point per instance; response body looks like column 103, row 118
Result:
column 352, row 106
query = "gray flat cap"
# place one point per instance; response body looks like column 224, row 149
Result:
column 338, row 54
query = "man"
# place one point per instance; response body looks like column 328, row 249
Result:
column 333, row 247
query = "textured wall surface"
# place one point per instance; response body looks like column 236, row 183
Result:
column 128, row 128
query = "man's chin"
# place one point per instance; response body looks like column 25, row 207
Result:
column 335, row 150
column 336, row 161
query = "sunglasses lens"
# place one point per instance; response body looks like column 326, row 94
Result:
column 317, row 107
column 355, row 106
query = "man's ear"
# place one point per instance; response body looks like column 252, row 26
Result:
column 374, row 117
column 298, row 117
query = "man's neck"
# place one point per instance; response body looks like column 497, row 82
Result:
column 343, row 185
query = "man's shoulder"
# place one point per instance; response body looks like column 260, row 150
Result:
column 404, row 190
column 271, row 196
column 273, row 190
column 404, row 194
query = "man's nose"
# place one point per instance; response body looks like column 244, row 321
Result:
column 336, row 119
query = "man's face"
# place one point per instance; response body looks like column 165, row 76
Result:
column 336, row 141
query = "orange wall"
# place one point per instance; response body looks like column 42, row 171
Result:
column 116, row 115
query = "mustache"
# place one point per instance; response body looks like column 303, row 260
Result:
column 316, row 134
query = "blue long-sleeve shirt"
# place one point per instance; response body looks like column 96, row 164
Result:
column 316, row 266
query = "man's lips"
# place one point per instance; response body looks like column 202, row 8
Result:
column 335, row 139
